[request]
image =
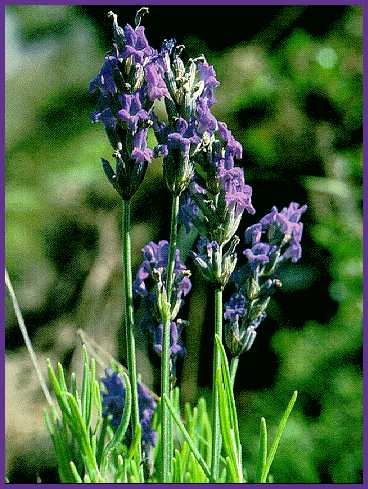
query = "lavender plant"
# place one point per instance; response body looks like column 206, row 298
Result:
column 117, row 430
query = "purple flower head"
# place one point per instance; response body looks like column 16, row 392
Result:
column 156, row 86
column 235, row 308
column 253, row 234
column 176, row 347
column 237, row 194
column 136, row 45
column 155, row 261
column 233, row 148
column 255, row 282
column 177, row 165
column 206, row 121
column 104, row 81
column 178, row 138
column 258, row 254
column 284, row 230
column 113, row 400
column 131, row 111
column 188, row 211
column 141, row 153
column 208, row 75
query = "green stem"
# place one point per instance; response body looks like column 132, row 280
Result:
column 129, row 326
column 233, row 369
column 216, row 428
column 167, row 432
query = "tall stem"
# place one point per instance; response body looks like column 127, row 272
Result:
column 129, row 326
column 167, row 432
column 216, row 430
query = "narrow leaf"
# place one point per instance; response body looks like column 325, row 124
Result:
column 278, row 436
column 59, row 394
column 74, row 470
column 262, row 454
column 187, row 437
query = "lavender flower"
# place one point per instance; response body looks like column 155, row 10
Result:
column 127, row 85
column 220, row 215
column 235, row 308
column 131, row 112
column 187, row 212
column 156, row 87
column 154, row 267
column 283, row 230
column 237, row 194
column 177, row 167
column 135, row 44
column 255, row 282
column 149, row 285
column 176, row 347
column 217, row 188
column 113, row 400
column 215, row 267
column 208, row 75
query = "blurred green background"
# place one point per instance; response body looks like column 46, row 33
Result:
column 291, row 91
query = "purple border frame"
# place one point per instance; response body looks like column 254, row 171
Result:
column 365, row 217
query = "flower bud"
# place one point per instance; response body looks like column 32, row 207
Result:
column 233, row 338
column 257, row 308
column 119, row 36
column 248, row 340
column 178, row 67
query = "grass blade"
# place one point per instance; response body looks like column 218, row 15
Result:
column 278, row 436
column 187, row 437
column 77, row 477
column 27, row 339
column 86, row 388
column 229, row 390
column 59, row 393
column 80, row 431
column 262, row 454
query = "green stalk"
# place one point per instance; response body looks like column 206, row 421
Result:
column 167, row 432
column 233, row 369
column 129, row 327
column 216, row 428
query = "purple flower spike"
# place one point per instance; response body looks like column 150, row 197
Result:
column 188, row 211
column 208, row 75
column 238, row 195
column 233, row 148
column 284, row 229
column 207, row 122
column 253, row 234
column 141, row 153
column 235, row 308
column 258, row 255
column 136, row 44
column 132, row 112
column 113, row 401
column 176, row 347
column 156, row 87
